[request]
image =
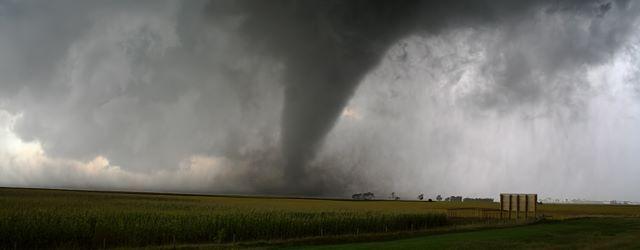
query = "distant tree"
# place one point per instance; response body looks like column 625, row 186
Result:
column 439, row 198
column 430, row 200
column 357, row 196
column 369, row 196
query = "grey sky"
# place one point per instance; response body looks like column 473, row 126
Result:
column 322, row 97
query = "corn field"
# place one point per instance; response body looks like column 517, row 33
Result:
column 92, row 220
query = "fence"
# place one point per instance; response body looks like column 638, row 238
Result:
column 486, row 213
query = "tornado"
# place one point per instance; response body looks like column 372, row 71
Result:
column 327, row 47
column 337, row 48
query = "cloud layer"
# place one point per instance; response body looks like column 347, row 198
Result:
column 245, row 97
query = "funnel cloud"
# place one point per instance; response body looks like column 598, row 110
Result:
column 326, row 47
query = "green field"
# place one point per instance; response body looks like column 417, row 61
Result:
column 80, row 219
column 583, row 233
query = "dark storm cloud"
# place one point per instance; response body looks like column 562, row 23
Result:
column 446, row 105
column 148, row 84
column 143, row 83
column 327, row 47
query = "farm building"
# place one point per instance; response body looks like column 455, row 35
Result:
column 519, row 203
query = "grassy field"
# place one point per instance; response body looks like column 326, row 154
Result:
column 583, row 233
column 80, row 219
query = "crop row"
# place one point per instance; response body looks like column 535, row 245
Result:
column 87, row 229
